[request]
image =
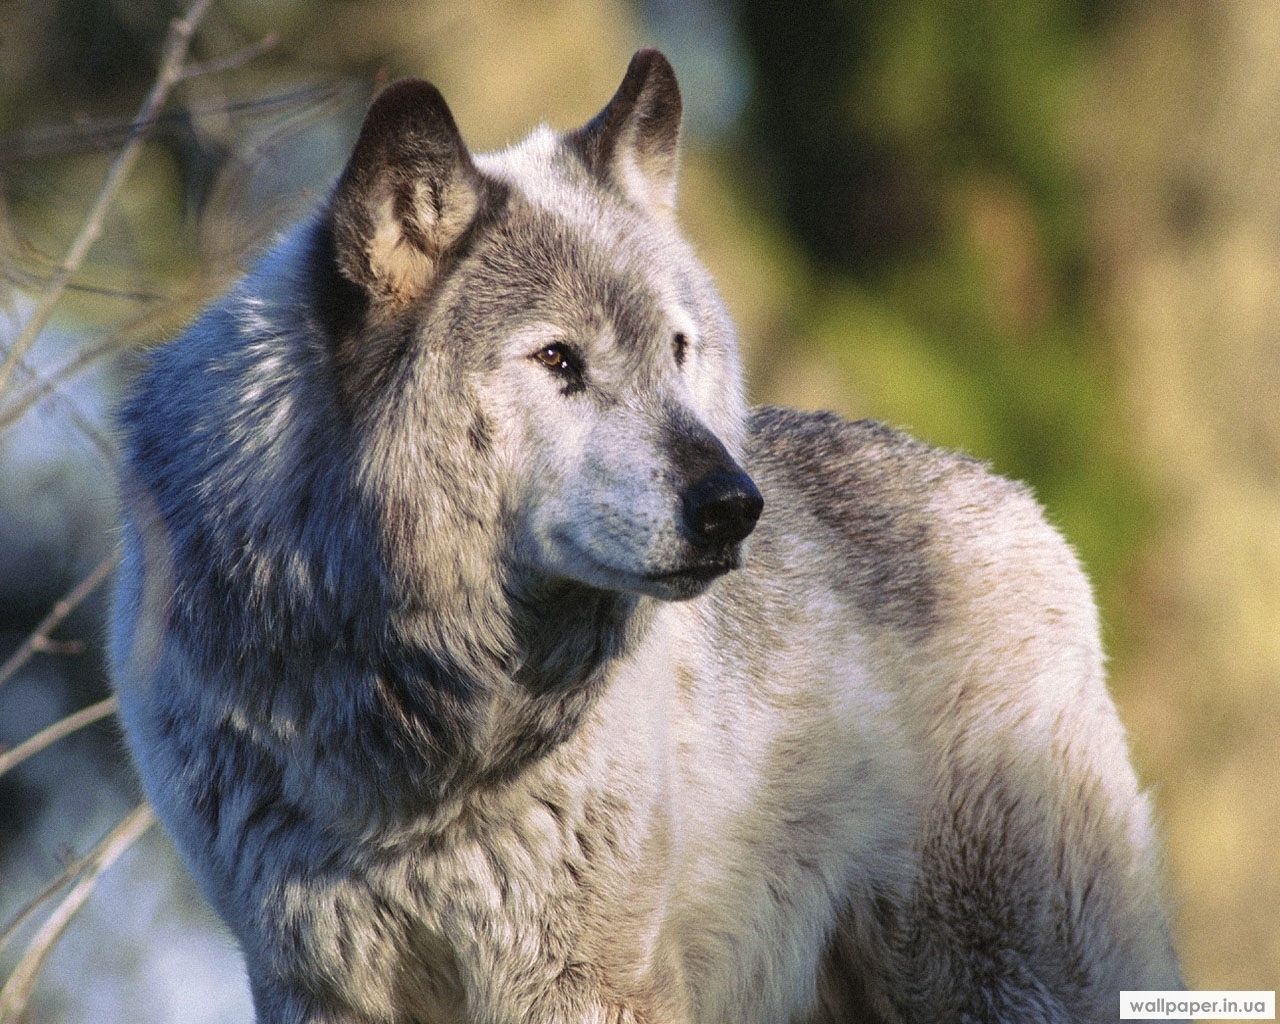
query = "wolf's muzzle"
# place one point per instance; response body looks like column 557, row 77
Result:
column 722, row 508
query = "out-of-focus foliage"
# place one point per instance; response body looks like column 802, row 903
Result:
column 1178, row 137
column 919, row 151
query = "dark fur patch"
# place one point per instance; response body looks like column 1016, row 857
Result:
column 367, row 348
column 679, row 347
column 341, row 306
column 480, row 433
column 982, row 909
column 695, row 451
column 644, row 115
column 863, row 482
column 364, row 355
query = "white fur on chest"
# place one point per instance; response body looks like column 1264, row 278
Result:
column 698, row 837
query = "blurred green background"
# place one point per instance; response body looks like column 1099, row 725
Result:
column 1043, row 231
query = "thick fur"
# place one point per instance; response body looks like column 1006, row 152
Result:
column 447, row 665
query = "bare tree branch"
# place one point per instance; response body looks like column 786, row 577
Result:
column 56, row 140
column 62, row 727
column 56, row 615
column 91, row 432
column 238, row 59
column 79, row 879
column 69, row 874
column 175, row 52
column 17, row 990
column 45, row 385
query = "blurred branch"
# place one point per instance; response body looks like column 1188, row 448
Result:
column 61, row 139
column 43, row 386
column 61, row 728
column 17, row 990
column 17, row 252
column 69, row 874
column 236, row 60
column 80, row 878
column 170, row 73
column 39, row 639
column 42, row 389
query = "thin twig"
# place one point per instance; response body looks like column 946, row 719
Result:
column 69, row 874
column 61, row 728
column 91, row 432
column 58, row 140
column 17, row 990
column 148, row 324
column 57, row 614
column 31, row 280
column 44, row 386
column 61, row 647
column 175, row 52
column 237, row 59
column 39, row 390
column 16, row 250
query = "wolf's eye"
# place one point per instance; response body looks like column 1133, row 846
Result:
column 562, row 361
column 555, row 357
column 679, row 346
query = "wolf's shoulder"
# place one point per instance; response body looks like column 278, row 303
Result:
column 903, row 522
column 831, row 460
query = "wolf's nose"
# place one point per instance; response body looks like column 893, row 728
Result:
column 722, row 508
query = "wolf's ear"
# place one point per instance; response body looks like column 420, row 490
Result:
column 634, row 141
column 408, row 193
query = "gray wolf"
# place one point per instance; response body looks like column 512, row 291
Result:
column 489, row 660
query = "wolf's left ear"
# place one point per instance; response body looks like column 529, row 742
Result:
column 407, row 195
column 634, row 141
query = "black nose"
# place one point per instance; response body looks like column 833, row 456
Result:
column 722, row 508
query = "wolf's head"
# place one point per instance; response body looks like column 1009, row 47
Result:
column 532, row 350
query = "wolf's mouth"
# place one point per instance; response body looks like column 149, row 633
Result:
column 679, row 582
column 700, row 572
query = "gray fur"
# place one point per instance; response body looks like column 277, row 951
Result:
column 449, row 663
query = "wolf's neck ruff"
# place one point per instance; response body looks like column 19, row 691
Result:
column 465, row 661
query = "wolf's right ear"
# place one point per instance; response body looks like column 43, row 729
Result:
column 408, row 193
column 634, row 141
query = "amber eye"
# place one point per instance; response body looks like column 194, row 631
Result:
column 565, row 363
column 554, row 357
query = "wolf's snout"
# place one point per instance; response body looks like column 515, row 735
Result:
column 722, row 508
